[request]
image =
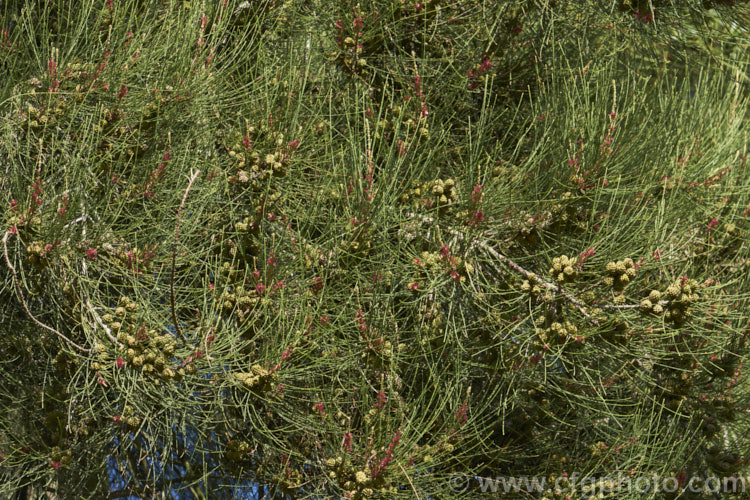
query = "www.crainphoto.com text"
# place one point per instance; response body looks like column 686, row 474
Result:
column 590, row 486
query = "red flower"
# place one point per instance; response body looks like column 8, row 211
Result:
column 120, row 363
column 346, row 443
column 91, row 253
column 286, row 354
column 461, row 413
column 476, row 195
column 584, row 256
column 382, row 398
column 445, row 252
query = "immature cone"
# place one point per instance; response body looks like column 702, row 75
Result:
column 620, row 273
column 681, row 296
column 563, row 270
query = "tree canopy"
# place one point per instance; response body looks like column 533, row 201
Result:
column 386, row 249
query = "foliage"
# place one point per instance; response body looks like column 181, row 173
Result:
column 382, row 249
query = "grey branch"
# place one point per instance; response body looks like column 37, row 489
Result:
column 23, row 300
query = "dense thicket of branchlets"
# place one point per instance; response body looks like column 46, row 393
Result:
column 371, row 250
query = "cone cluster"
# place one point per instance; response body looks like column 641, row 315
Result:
column 620, row 273
column 563, row 270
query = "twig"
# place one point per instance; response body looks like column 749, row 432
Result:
column 23, row 301
column 662, row 303
column 614, row 97
column 76, row 221
column 84, row 268
column 550, row 286
column 580, row 305
column 416, row 494
column 101, row 323
column 174, row 250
